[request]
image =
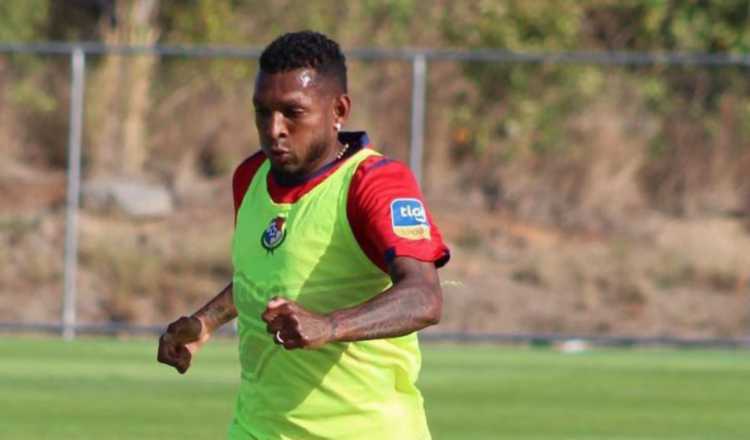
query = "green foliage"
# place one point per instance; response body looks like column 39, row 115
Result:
column 22, row 20
column 25, row 21
column 29, row 99
column 28, row 95
column 201, row 22
column 208, row 23
column 706, row 26
column 531, row 122
column 398, row 15
column 535, row 104
column 529, row 110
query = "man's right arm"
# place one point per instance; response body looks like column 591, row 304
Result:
column 218, row 311
column 185, row 336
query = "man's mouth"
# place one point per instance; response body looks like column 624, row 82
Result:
column 279, row 154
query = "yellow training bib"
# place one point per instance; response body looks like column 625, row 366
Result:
column 306, row 251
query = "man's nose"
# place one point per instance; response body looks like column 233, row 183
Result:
column 277, row 126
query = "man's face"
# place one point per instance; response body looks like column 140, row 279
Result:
column 294, row 116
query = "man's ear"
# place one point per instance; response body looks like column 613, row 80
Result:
column 342, row 106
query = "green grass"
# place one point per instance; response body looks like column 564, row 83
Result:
column 110, row 389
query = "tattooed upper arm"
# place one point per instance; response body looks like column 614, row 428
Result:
column 413, row 302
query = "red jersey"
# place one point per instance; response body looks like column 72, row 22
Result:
column 376, row 189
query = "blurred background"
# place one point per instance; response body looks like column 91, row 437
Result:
column 585, row 183
column 586, row 161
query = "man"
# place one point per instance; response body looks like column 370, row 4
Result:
column 334, row 260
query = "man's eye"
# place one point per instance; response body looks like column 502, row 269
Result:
column 293, row 112
column 262, row 112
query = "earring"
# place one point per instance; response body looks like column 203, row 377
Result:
column 337, row 126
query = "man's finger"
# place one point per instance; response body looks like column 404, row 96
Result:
column 164, row 352
column 190, row 329
column 293, row 342
column 278, row 323
column 281, row 326
column 182, row 360
column 269, row 315
column 184, row 330
column 292, row 322
column 284, row 336
column 174, row 327
column 274, row 308
column 173, row 354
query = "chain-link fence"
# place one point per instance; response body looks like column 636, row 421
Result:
column 595, row 195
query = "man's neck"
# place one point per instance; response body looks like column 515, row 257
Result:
column 324, row 162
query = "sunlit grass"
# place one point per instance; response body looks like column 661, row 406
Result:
column 111, row 389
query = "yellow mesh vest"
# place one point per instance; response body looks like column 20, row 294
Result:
column 306, row 251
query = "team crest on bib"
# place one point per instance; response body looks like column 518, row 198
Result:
column 409, row 219
column 274, row 234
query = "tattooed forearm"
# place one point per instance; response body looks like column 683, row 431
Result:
column 414, row 302
column 219, row 310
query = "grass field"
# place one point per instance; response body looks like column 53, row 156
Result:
column 110, row 389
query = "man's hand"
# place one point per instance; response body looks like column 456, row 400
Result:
column 181, row 341
column 294, row 327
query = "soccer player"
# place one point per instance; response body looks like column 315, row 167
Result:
column 335, row 258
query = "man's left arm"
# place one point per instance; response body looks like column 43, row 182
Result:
column 413, row 302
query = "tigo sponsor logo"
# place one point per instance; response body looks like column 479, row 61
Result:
column 409, row 219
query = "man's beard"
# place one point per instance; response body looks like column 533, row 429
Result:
column 315, row 153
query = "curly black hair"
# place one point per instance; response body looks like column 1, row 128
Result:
column 306, row 49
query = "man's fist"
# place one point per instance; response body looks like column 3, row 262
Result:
column 181, row 340
column 294, row 327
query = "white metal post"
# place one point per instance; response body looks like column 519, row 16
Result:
column 419, row 80
column 78, row 70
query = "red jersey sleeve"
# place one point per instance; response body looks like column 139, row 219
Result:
column 388, row 216
column 242, row 177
